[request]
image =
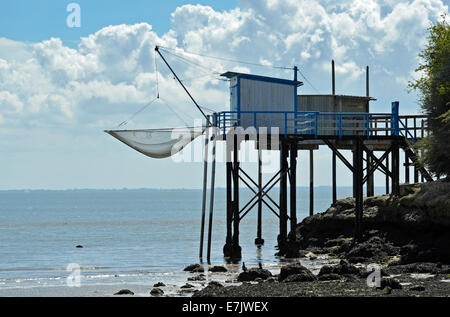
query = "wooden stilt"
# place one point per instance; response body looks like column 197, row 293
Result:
column 236, row 249
column 205, row 181
column 283, row 197
column 211, row 198
column 396, row 168
column 358, row 188
column 370, row 180
column 259, row 240
column 406, row 168
column 387, row 176
column 334, row 178
column 311, row 182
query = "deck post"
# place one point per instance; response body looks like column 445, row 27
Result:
column 334, row 177
column 205, row 181
column 395, row 168
column 236, row 249
column 211, row 198
column 406, row 167
column 311, row 182
column 387, row 176
column 358, row 187
column 259, row 240
column 227, row 248
column 283, row 197
column 292, row 249
column 370, row 183
column 355, row 185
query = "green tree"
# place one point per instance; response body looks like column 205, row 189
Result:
column 434, row 91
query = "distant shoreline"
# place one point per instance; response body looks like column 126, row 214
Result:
column 149, row 189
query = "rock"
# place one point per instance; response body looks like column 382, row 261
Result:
column 329, row 277
column 253, row 274
column 295, row 269
column 426, row 267
column 124, row 292
column 215, row 284
column 311, row 256
column 187, row 285
column 343, row 268
column 272, row 280
column 374, row 249
column 159, row 284
column 200, row 277
column 192, row 267
column 417, row 288
column 391, row 283
column 387, row 290
column 302, row 277
column 156, row 292
column 217, row 269
column 259, row 280
column 79, row 246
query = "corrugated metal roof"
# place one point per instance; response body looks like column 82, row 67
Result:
column 262, row 78
column 341, row 96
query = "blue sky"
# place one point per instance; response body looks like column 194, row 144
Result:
column 60, row 87
column 25, row 20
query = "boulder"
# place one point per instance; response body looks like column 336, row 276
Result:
column 253, row 274
column 124, row 292
column 187, row 285
column 215, row 284
column 294, row 269
column 217, row 269
column 194, row 268
column 156, row 292
column 159, row 284
column 343, row 268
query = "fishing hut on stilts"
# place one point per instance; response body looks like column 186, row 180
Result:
column 271, row 113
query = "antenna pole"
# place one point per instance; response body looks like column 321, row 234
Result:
column 192, row 98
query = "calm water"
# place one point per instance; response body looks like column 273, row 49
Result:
column 129, row 236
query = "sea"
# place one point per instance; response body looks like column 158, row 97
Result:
column 130, row 238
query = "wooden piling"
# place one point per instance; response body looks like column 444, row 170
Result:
column 259, row 240
column 236, row 249
column 283, row 197
column 311, row 182
column 211, row 198
column 205, row 181
column 358, row 187
column 333, row 171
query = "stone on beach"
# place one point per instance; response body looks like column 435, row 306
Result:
column 295, row 269
column 253, row 274
column 187, row 285
column 124, row 292
column 217, row 269
column 156, row 292
column 159, row 284
column 193, row 268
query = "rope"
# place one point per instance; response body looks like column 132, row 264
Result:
column 230, row 60
column 136, row 113
column 306, row 79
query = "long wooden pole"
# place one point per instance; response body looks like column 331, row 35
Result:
column 211, row 198
column 205, row 181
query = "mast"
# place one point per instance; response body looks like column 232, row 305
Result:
column 185, row 89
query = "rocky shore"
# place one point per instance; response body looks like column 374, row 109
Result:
column 405, row 243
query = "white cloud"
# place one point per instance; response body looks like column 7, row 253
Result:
column 111, row 73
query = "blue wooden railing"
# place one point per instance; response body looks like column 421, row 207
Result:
column 318, row 123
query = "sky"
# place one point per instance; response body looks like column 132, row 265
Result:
column 62, row 82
